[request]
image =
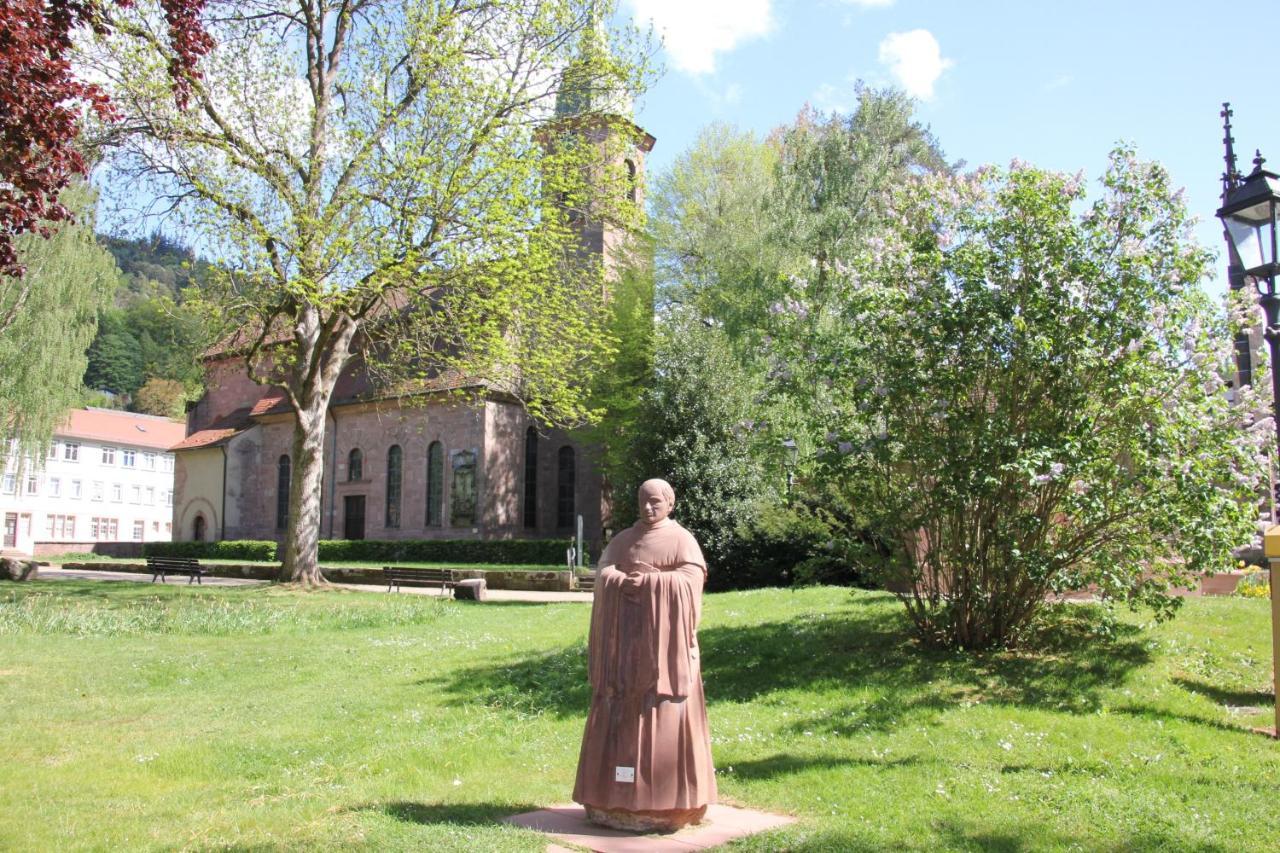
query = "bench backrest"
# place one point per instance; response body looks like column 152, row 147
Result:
column 172, row 563
column 414, row 574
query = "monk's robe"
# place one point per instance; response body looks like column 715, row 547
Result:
column 646, row 745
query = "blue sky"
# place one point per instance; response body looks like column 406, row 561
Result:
column 1054, row 84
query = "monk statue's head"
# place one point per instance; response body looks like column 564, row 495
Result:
column 657, row 499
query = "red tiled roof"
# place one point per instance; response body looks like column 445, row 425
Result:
column 273, row 404
column 121, row 428
column 220, row 431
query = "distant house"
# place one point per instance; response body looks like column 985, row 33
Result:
column 425, row 465
column 108, row 478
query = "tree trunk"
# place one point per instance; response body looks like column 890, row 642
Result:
column 323, row 353
column 302, row 535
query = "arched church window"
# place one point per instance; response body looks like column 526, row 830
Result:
column 462, row 495
column 394, row 468
column 197, row 528
column 355, row 465
column 566, row 469
column 632, row 193
column 435, row 484
column 283, row 475
column 531, row 477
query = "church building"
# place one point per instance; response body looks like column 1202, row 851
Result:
column 437, row 463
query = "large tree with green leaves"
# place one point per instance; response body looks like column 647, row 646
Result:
column 390, row 178
column 1024, row 397
column 46, row 325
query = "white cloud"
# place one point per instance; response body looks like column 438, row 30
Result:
column 695, row 31
column 915, row 60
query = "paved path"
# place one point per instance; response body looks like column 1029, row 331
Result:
column 54, row 573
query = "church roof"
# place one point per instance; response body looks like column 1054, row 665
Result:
column 219, row 432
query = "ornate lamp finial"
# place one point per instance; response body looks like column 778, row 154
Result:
column 1230, row 178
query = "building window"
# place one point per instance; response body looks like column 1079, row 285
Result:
column 128, row 458
column 282, row 492
column 151, row 495
column 62, row 527
column 53, row 450
column 71, row 451
column 33, row 485
column 149, row 461
column 168, row 497
column 117, row 493
column 631, row 180
column 531, row 477
column 355, row 465
column 108, row 456
column 55, row 487
column 9, row 484
column 462, row 496
column 135, row 494
column 104, row 529
column 435, row 485
column 566, row 471
column 1244, row 360
column 99, row 490
column 155, row 527
column 77, row 489
column 394, row 459
column 197, row 527
column 166, row 463
column 139, row 528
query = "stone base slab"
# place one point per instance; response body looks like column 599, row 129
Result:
column 569, row 825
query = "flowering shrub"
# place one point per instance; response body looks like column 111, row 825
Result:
column 1022, row 396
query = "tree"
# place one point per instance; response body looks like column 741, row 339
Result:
column 749, row 234
column 695, row 429
column 114, row 357
column 165, row 397
column 1029, row 400
column 42, row 348
column 388, row 179
column 40, row 106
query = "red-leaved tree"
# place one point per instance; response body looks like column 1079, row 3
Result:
column 42, row 101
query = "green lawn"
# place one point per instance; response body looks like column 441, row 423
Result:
column 145, row 717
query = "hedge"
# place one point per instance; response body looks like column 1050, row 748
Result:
column 461, row 551
column 548, row 552
column 246, row 549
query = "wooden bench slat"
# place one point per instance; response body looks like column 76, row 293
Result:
column 161, row 566
column 397, row 575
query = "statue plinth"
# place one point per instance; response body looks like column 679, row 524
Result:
column 668, row 820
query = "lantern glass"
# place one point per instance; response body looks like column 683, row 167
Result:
column 1251, row 232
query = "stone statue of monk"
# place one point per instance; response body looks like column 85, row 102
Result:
column 645, row 763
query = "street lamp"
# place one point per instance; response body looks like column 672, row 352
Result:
column 1249, row 211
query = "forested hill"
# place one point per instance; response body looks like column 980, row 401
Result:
column 145, row 356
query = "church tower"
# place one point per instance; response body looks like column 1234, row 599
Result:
column 593, row 105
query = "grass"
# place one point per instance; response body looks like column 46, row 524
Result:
column 142, row 717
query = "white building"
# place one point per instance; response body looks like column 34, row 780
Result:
column 108, row 478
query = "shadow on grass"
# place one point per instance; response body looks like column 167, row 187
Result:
column 786, row 763
column 857, row 648
column 456, row 814
column 1229, row 698
column 958, row 835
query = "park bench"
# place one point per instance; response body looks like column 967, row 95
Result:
column 398, row 575
column 161, row 566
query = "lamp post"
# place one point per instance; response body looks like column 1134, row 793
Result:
column 792, row 451
column 1249, row 210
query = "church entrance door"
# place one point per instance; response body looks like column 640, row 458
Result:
column 353, row 517
column 10, row 529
